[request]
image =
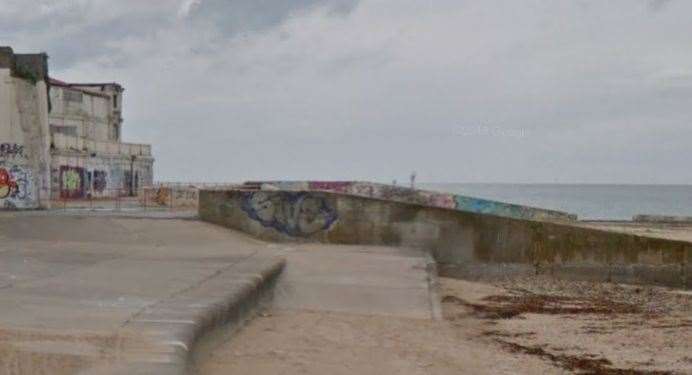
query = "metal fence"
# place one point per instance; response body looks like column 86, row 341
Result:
column 171, row 196
column 147, row 198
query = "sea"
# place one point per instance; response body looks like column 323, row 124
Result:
column 588, row 201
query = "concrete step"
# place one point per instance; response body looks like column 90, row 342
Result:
column 171, row 331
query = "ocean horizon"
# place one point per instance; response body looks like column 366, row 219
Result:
column 587, row 201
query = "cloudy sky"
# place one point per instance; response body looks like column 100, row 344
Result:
column 459, row 91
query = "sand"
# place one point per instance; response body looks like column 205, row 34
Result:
column 518, row 326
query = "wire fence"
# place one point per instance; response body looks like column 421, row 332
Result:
column 147, row 198
column 162, row 196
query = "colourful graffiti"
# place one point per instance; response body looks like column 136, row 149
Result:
column 338, row 186
column 13, row 183
column 422, row 197
column 371, row 190
column 16, row 186
column 100, row 181
column 11, row 150
column 483, row 206
column 296, row 214
column 162, row 196
column 177, row 196
column 187, row 194
column 71, row 182
column 8, row 185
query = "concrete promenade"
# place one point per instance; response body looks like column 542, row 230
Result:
column 367, row 280
column 95, row 295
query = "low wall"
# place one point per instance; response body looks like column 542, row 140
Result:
column 172, row 197
column 662, row 219
column 420, row 197
column 465, row 244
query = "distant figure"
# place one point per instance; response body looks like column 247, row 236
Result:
column 393, row 182
column 413, row 180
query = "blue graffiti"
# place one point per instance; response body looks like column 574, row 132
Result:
column 297, row 214
column 482, row 206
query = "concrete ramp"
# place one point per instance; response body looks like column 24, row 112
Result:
column 368, row 280
column 104, row 295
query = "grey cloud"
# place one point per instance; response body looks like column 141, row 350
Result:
column 99, row 41
column 78, row 31
column 658, row 5
column 232, row 17
column 602, row 88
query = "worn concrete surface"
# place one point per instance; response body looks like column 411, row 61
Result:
column 124, row 295
column 371, row 280
column 127, row 295
column 535, row 325
column 359, row 310
column 465, row 245
column 425, row 198
column 671, row 231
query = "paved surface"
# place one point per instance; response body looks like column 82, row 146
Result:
column 367, row 280
column 135, row 212
column 87, row 294
column 360, row 310
column 345, row 310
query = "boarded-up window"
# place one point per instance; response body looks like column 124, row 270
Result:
column 73, row 96
column 66, row 130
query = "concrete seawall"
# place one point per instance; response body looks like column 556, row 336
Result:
column 465, row 244
column 419, row 197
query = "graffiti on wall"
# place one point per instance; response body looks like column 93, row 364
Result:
column 100, row 181
column 187, row 196
column 162, row 196
column 11, row 150
column 297, row 214
column 378, row 191
column 337, row 186
column 71, row 182
column 16, row 186
column 425, row 198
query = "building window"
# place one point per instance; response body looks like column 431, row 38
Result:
column 115, row 101
column 66, row 130
column 73, row 96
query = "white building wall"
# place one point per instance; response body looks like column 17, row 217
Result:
column 37, row 165
column 90, row 117
column 24, row 141
column 91, row 162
